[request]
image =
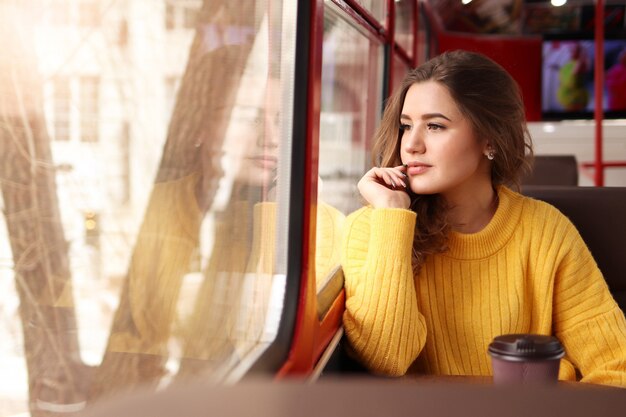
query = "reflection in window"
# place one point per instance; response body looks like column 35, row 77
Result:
column 62, row 108
column 424, row 40
column 125, row 162
column 405, row 18
column 172, row 83
column 180, row 198
column 351, row 101
column 92, row 229
column 89, row 14
column 170, row 15
column 181, row 14
column 400, row 69
column 89, row 108
column 59, row 13
column 376, row 8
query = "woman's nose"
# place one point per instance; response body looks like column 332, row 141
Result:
column 414, row 143
column 269, row 132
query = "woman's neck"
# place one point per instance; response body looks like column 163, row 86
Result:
column 471, row 210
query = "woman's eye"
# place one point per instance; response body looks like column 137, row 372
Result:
column 404, row 127
column 434, row 126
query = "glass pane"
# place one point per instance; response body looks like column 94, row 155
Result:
column 351, row 102
column 423, row 37
column 400, row 69
column 405, row 17
column 89, row 107
column 89, row 13
column 143, row 247
column 377, row 8
column 61, row 108
column 181, row 14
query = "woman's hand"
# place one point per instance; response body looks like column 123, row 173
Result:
column 386, row 187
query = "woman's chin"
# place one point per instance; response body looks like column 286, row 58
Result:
column 425, row 189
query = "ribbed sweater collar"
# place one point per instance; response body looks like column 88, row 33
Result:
column 495, row 235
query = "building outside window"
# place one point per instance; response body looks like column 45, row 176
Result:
column 89, row 108
column 89, row 14
column 172, row 83
column 62, row 108
column 84, row 14
column 59, row 15
column 181, row 14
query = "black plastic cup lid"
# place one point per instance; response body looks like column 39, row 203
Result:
column 521, row 347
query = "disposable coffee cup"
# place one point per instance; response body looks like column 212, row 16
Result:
column 525, row 358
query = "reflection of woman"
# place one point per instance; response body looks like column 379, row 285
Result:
column 447, row 256
column 615, row 81
column 572, row 93
column 231, row 307
column 141, row 336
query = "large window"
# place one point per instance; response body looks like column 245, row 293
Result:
column 89, row 106
column 405, row 24
column 351, row 100
column 89, row 13
column 377, row 8
column 400, row 70
column 62, row 94
column 181, row 14
column 172, row 85
column 72, row 13
column 144, row 232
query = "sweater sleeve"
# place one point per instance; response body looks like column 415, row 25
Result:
column 381, row 321
column 586, row 317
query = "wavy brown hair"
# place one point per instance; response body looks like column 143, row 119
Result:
column 491, row 101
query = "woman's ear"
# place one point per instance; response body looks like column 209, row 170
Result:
column 489, row 152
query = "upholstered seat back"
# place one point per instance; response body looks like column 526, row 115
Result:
column 553, row 170
column 599, row 214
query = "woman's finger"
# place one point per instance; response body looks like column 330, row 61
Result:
column 388, row 179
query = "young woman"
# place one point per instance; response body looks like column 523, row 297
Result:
column 446, row 256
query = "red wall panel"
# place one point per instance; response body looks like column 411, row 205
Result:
column 521, row 57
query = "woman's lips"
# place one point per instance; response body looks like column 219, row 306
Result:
column 264, row 161
column 417, row 168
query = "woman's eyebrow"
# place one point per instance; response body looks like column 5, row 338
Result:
column 435, row 115
column 426, row 116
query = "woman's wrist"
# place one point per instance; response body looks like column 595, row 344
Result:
column 392, row 203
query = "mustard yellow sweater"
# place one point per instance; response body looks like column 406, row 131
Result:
column 528, row 271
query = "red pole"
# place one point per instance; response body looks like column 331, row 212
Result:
column 416, row 31
column 599, row 85
column 391, row 39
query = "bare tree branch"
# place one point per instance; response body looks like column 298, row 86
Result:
column 43, row 279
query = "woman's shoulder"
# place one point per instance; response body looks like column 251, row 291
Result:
column 356, row 234
column 363, row 214
column 530, row 204
column 358, row 222
column 538, row 212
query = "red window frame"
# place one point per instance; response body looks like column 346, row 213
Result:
column 311, row 335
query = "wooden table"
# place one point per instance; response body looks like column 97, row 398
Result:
column 431, row 397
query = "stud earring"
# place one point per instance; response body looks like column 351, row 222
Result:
column 491, row 155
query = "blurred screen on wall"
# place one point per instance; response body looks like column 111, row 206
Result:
column 568, row 74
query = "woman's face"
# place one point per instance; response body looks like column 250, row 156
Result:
column 259, row 144
column 251, row 130
column 438, row 143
